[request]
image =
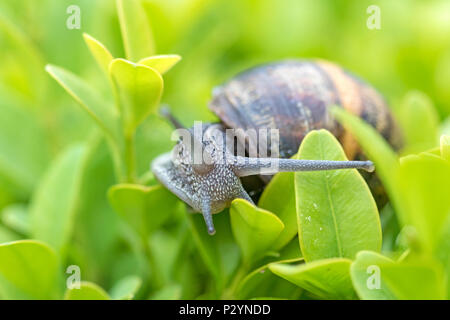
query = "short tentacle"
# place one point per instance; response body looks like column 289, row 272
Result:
column 206, row 211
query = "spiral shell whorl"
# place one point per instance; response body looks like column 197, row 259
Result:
column 293, row 96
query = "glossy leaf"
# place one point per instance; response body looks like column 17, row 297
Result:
column 337, row 215
column 87, row 291
column 103, row 114
column 138, row 89
column 327, row 278
column 254, row 229
column 279, row 197
column 144, row 208
column 126, row 288
column 28, row 269
column 367, row 276
column 161, row 63
column 135, row 28
column 53, row 205
column 99, row 51
column 377, row 150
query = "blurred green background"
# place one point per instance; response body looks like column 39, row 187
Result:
column 216, row 39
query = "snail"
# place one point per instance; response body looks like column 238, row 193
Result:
column 292, row 97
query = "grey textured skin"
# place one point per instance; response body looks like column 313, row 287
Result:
column 253, row 166
column 209, row 188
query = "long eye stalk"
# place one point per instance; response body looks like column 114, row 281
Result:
column 251, row 166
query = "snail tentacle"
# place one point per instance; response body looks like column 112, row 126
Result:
column 251, row 166
column 244, row 195
column 207, row 215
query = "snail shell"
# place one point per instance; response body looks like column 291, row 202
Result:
column 293, row 96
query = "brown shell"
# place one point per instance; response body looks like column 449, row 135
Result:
column 293, row 96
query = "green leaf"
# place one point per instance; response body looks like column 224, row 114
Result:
column 279, row 197
column 290, row 252
column 6, row 193
column 377, row 277
column 171, row 292
column 390, row 227
column 6, row 235
column 138, row 88
column 445, row 147
column 387, row 166
column 188, row 271
column 443, row 251
column 135, row 28
column 445, row 126
column 21, row 64
column 54, row 202
column 416, row 280
column 28, row 269
column 424, row 186
column 366, row 276
column 152, row 139
column 327, row 278
column 161, row 63
column 126, row 288
column 15, row 217
column 99, row 51
column 254, row 229
column 337, row 215
column 220, row 253
column 103, row 114
column 24, row 149
column 128, row 262
column 144, row 208
column 87, row 291
column 260, row 281
column 96, row 227
column 419, row 121
column 164, row 251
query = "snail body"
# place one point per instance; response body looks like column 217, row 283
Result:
column 291, row 97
